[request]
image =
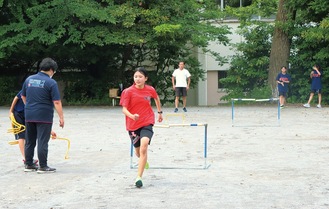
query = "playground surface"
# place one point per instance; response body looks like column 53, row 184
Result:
column 256, row 164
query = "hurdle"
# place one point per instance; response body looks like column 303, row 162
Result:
column 205, row 165
column 183, row 117
column 256, row 100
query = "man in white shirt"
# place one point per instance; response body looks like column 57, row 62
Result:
column 183, row 80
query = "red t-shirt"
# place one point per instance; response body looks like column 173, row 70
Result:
column 138, row 101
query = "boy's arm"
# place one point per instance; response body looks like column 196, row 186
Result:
column 311, row 74
column 11, row 110
column 173, row 82
column 188, row 83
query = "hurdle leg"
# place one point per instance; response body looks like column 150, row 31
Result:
column 131, row 155
column 279, row 112
column 205, row 146
column 232, row 112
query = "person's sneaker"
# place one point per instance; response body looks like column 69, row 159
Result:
column 307, row 105
column 30, row 168
column 147, row 165
column 138, row 182
column 46, row 170
column 318, row 106
column 281, row 106
column 185, row 110
column 35, row 162
column 176, row 110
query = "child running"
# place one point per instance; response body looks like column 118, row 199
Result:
column 136, row 105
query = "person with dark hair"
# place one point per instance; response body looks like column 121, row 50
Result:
column 41, row 95
column 140, row 118
column 182, row 85
column 283, row 79
column 316, row 86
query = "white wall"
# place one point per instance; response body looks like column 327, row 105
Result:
column 208, row 93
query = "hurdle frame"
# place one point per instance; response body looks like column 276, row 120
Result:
column 205, row 154
column 256, row 100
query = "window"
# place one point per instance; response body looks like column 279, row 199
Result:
column 221, row 74
column 234, row 3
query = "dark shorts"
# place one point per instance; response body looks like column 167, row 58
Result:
column 316, row 91
column 283, row 93
column 135, row 136
column 180, row 91
column 20, row 118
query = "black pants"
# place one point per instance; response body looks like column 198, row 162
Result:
column 37, row 132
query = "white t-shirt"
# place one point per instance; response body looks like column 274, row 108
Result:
column 181, row 76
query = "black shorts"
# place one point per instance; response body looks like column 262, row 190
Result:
column 283, row 93
column 316, row 91
column 135, row 136
column 180, row 91
column 20, row 118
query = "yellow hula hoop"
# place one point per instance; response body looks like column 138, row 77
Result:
column 68, row 146
column 16, row 128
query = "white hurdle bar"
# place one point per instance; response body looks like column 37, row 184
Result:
column 206, row 166
column 256, row 100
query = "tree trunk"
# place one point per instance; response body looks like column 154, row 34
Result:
column 280, row 47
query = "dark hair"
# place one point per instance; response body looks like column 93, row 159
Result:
column 141, row 70
column 284, row 67
column 317, row 66
column 47, row 64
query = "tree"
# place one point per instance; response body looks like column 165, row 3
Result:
column 247, row 76
column 107, row 39
column 280, row 48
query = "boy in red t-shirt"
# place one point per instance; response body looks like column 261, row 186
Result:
column 136, row 105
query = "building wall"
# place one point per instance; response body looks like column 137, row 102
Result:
column 208, row 92
column 214, row 94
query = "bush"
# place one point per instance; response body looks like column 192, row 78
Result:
column 7, row 89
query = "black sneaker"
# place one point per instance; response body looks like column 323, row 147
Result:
column 35, row 162
column 46, row 170
column 176, row 110
column 185, row 110
column 30, row 168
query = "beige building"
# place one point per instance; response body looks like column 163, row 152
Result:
column 210, row 91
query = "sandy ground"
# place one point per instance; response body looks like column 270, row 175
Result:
column 255, row 164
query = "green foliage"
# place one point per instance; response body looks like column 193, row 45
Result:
column 7, row 86
column 103, row 41
column 247, row 75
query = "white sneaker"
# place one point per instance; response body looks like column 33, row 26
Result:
column 306, row 105
column 318, row 106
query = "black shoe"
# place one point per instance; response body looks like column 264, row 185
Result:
column 30, row 168
column 185, row 110
column 46, row 170
column 176, row 110
column 35, row 162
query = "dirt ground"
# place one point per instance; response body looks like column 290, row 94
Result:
column 260, row 162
